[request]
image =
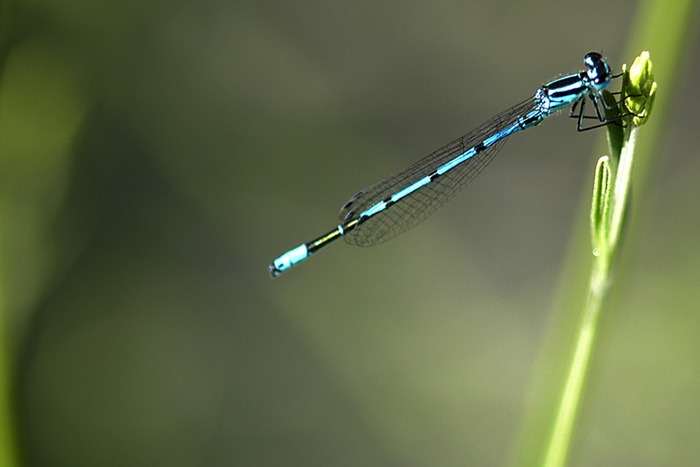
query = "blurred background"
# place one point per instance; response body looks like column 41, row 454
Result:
column 155, row 156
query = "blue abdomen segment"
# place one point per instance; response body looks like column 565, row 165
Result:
column 289, row 259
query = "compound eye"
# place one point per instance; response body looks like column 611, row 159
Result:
column 592, row 59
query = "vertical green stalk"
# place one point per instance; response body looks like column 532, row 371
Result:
column 611, row 191
column 549, row 423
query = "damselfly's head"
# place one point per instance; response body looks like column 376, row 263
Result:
column 598, row 72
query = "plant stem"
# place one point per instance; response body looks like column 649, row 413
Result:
column 562, row 431
column 608, row 208
column 663, row 28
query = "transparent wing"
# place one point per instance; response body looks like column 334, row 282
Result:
column 420, row 204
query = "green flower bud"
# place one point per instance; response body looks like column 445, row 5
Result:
column 640, row 89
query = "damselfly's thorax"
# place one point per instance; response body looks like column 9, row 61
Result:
column 567, row 90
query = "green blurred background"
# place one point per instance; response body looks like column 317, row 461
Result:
column 155, row 156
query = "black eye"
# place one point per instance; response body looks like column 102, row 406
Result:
column 592, row 59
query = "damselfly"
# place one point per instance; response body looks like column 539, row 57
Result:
column 399, row 202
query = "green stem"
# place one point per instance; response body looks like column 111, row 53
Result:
column 621, row 192
column 549, row 424
column 562, row 431
column 610, row 201
column 607, row 234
